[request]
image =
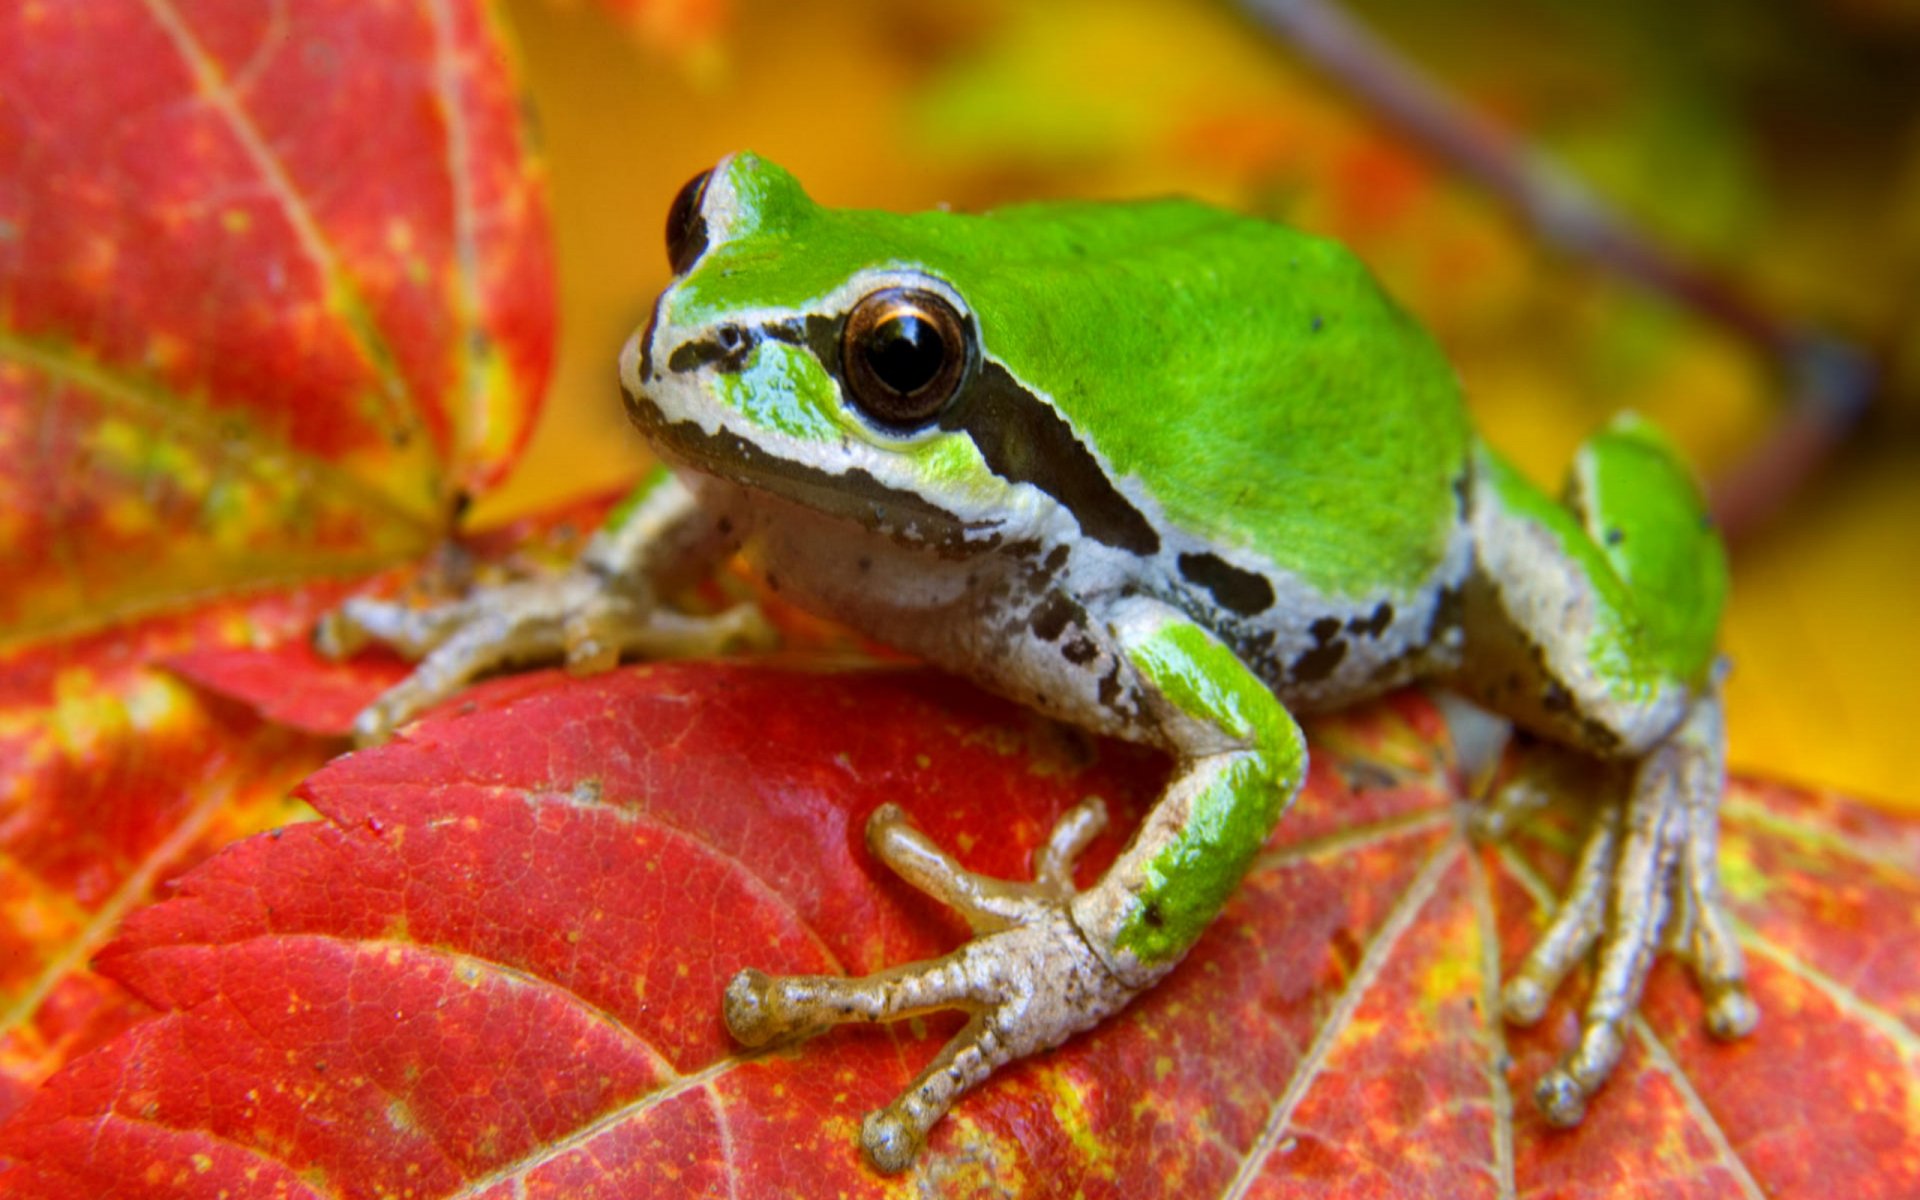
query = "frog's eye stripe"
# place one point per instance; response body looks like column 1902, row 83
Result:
column 686, row 226
column 1025, row 440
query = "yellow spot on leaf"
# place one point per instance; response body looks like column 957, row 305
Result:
column 164, row 351
column 1070, row 1110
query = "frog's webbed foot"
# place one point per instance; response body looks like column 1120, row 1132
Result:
column 1649, row 868
column 579, row 617
column 1029, row 979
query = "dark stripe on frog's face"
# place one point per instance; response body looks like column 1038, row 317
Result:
column 1021, row 437
column 1024, row 440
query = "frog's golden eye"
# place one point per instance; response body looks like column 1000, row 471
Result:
column 686, row 228
column 904, row 353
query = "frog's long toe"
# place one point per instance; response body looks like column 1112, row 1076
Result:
column 1643, row 871
column 1029, row 981
column 1708, row 941
column 1575, row 927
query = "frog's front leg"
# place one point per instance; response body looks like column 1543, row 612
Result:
column 1593, row 624
column 605, row 606
column 1046, row 962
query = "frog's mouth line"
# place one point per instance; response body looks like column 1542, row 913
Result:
column 853, row 495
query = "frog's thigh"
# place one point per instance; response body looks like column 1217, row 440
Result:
column 1593, row 624
column 1046, row 963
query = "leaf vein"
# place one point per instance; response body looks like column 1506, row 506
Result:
column 472, row 385
column 219, row 95
column 135, row 888
column 1372, row 961
column 1496, row 1037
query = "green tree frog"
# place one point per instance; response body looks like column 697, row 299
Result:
column 1169, row 474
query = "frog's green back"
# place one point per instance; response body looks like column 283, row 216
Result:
column 1254, row 381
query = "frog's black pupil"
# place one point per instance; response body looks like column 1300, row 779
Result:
column 906, row 353
column 904, row 356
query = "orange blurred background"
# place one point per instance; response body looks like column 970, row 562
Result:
column 1781, row 147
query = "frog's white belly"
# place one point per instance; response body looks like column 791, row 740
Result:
column 1031, row 621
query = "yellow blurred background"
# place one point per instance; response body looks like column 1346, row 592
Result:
column 1783, row 149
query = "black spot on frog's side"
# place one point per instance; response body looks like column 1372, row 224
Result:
column 1079, row 650
column 1055, row 615
column 1329, row 648
column 1238, row 591
column 1373, row 625
column 1449, row 613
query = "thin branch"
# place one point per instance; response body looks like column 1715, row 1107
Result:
column 1828, row 383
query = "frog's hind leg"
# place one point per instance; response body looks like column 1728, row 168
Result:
column 1592, row 624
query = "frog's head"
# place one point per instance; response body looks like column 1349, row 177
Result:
column 830, row 357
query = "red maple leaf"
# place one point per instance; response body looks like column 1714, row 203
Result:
column 494, row 969
column 274, row 293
